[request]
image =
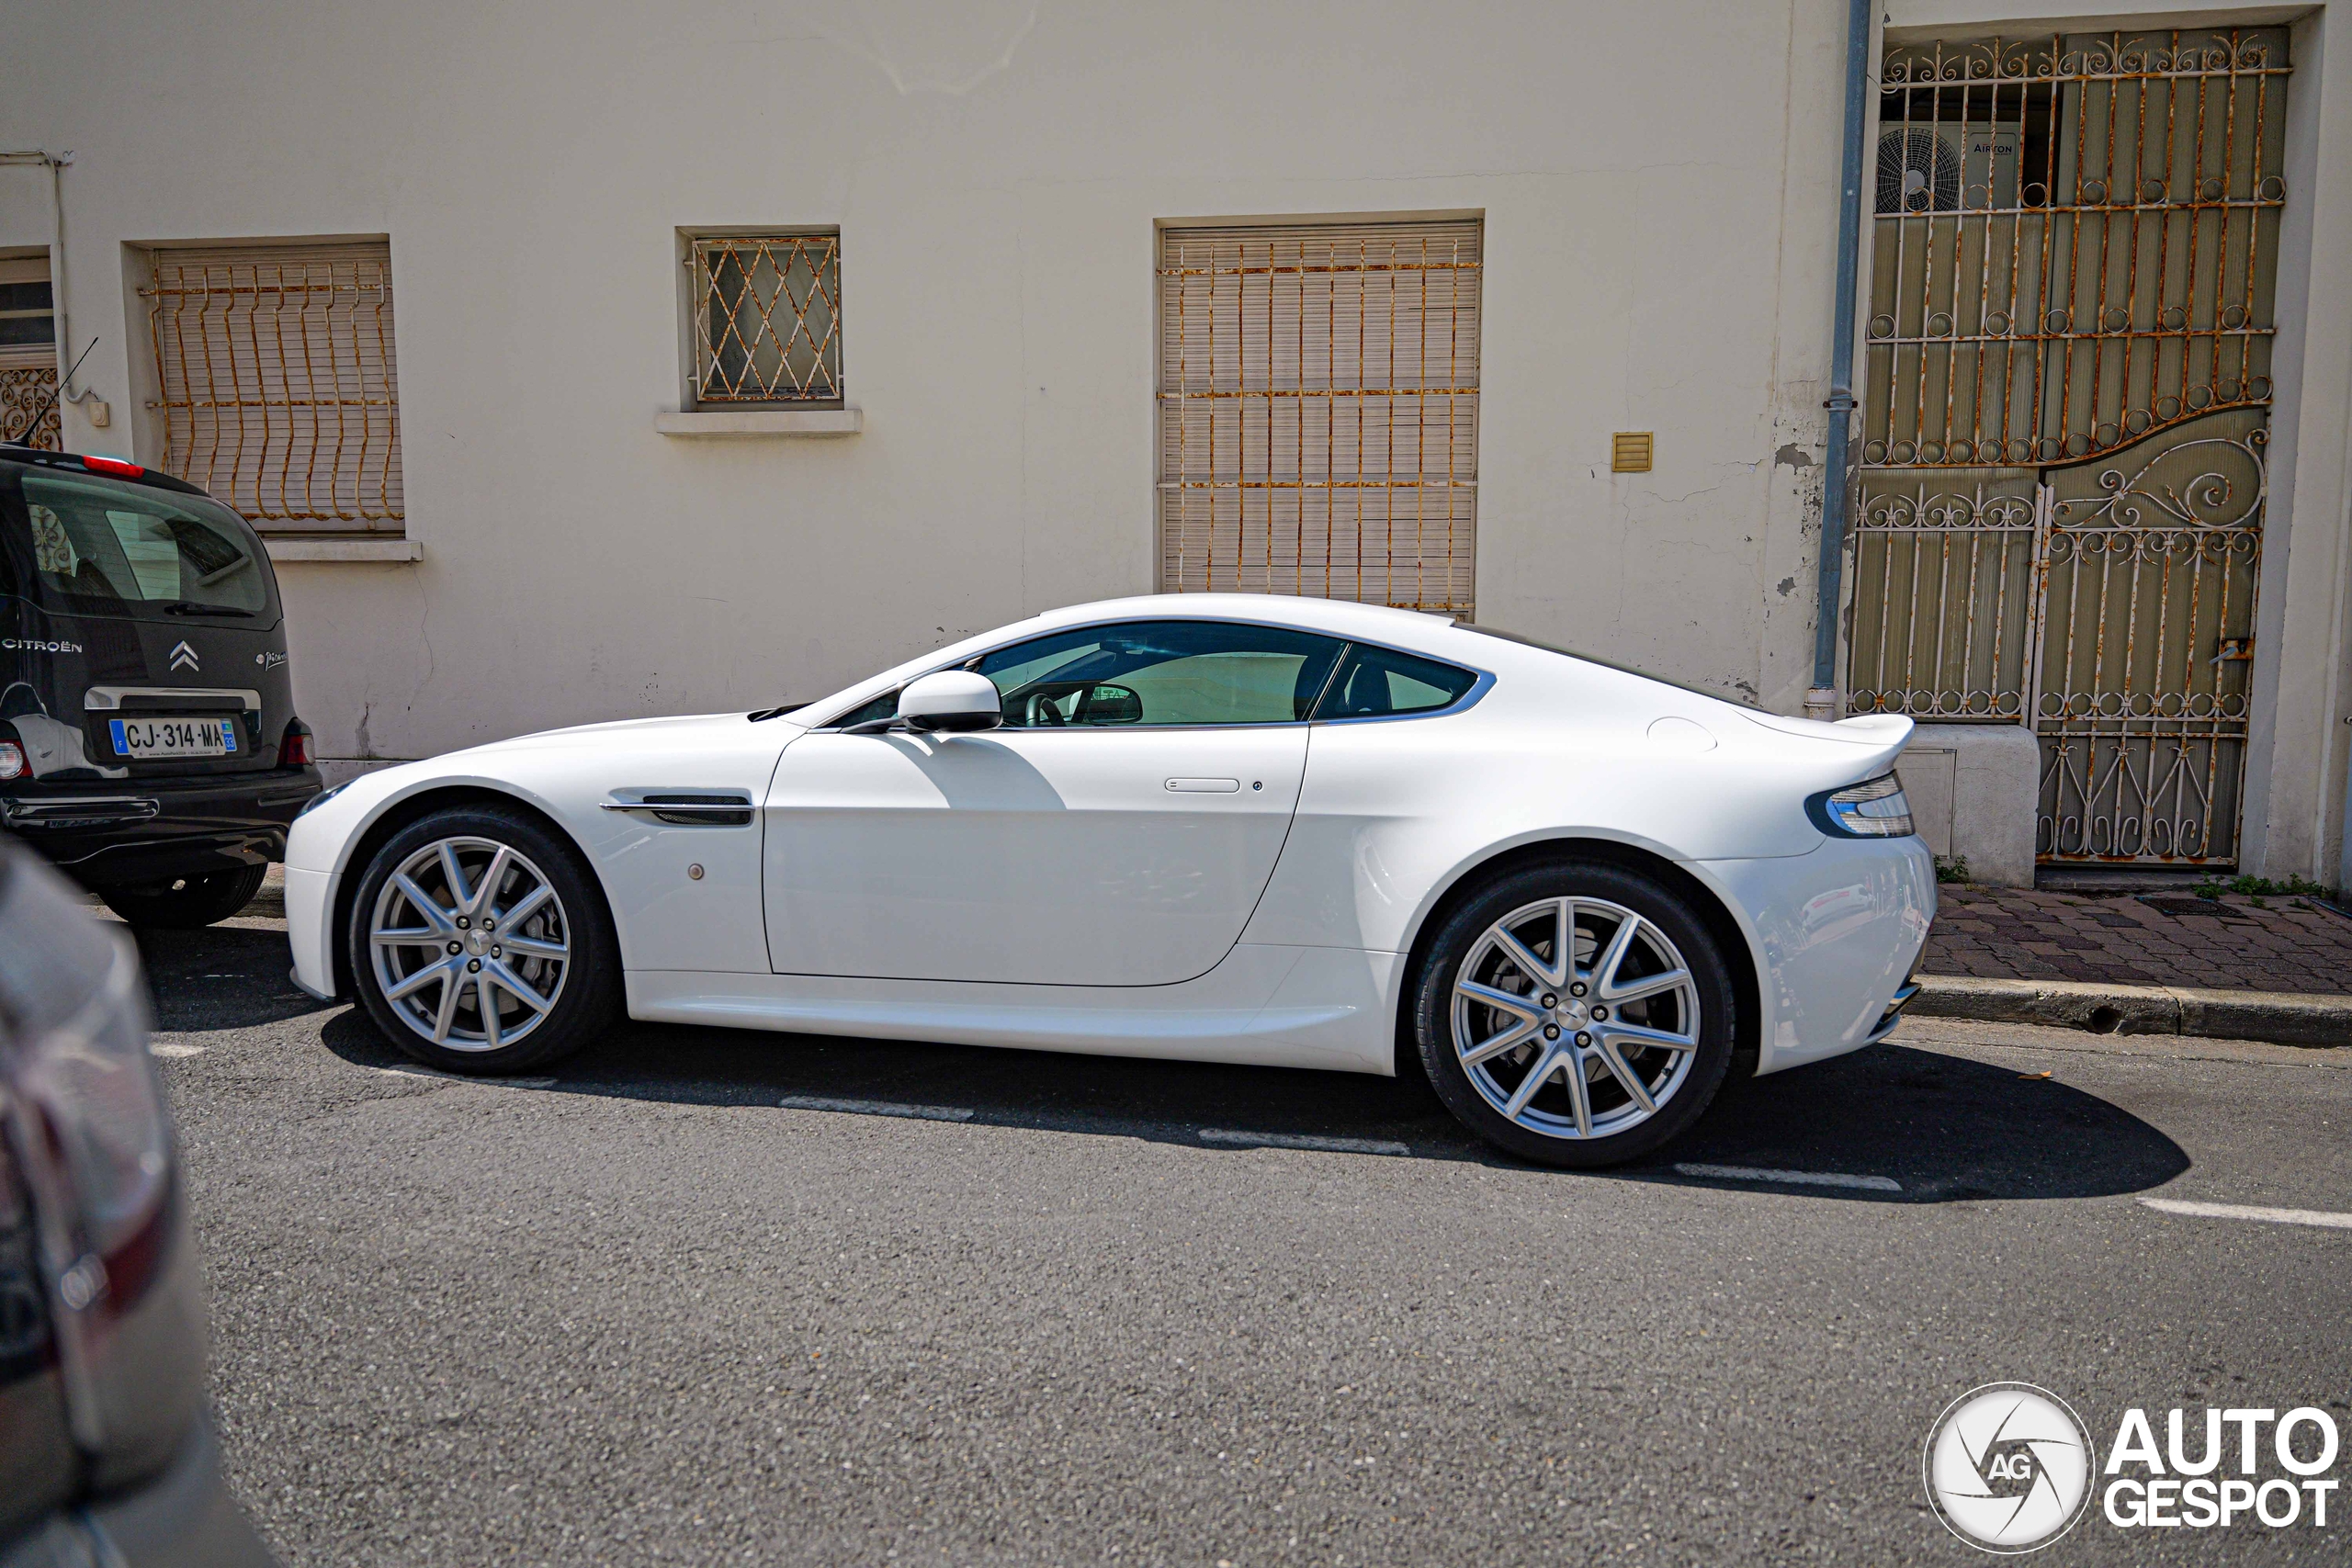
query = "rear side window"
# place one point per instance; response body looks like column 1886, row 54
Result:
column 90, row 546
column 1380, row 683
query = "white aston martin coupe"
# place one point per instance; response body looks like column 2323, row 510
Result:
column 1221, row 828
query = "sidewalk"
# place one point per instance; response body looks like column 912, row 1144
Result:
column 2282, row 944
column 2275, row 968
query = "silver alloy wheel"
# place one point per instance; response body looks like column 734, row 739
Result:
column 470, row 944
column 1576, row 1018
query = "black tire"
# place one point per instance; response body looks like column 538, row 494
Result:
column 1465, row 936
column 187, row 902
column 587, row 987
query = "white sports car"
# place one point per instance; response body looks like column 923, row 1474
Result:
column 1222, row 827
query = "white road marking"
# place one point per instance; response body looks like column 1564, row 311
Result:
column 163, row 1050
column 877, row 1108
column 1226, row 1138
column 457, row 1077
column 2252, row 1212
column 1792, row 1178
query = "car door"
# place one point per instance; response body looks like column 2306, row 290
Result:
column 1117, row 830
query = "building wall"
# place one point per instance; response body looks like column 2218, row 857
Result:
column 1658, row 195
column 1657, row 185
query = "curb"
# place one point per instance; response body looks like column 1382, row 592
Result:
column 2282, row 1017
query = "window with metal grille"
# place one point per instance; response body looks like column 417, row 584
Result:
column 28, row 354
column 1319, row 410
column 278, row 386
column 767, row 317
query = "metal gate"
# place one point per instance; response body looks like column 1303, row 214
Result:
column 2062, row 486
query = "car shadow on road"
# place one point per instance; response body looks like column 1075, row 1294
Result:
column 224, row 976
column 1942, row 1128
column 1905, row 1125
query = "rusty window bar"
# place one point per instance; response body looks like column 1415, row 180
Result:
column 2113, row 290
column 767, row 317
column 277, row 382
column 1307, row 367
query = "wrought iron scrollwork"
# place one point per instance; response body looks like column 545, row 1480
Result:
column 23, row 391
column 2209, row 498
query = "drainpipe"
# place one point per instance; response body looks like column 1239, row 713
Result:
column 1821, row 702
column 55, row 164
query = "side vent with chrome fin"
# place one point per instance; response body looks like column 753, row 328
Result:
column 690, row 810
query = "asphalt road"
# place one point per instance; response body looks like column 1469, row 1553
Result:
column 642, row 1314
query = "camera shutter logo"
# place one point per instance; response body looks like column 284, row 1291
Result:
column 2009, row 1467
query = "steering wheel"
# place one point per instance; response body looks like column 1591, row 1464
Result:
column 1039, row 712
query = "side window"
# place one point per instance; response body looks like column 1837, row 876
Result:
column 1161, row 673
column 1379, row 683
column 884, row 706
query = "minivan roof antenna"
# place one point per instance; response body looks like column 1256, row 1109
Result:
column 33, row 428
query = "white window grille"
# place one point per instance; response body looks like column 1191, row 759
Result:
column 767, row 318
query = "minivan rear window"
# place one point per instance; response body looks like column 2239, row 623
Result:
column 86, row 546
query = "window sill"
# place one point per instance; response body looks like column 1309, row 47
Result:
column 380, row 548
column 762, row 421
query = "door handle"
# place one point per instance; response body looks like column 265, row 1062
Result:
column 1205, row 786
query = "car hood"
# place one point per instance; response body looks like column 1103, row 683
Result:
column 679, row 729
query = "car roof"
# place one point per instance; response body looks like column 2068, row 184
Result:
column 1333, row 617
column 41, row 457
column 1337, row 617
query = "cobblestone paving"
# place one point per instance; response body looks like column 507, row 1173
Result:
column 2284, row 944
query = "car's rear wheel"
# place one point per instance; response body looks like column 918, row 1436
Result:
column 1575, row 1014
column 480, row 942
column 187, row 902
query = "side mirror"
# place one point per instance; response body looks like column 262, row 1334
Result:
column 951, row 702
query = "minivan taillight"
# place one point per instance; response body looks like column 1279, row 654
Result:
column 294, row 751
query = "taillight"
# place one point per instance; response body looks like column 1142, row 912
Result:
column 294, row 751
column 1875, row 810
column 115, row 467
column 12, row 761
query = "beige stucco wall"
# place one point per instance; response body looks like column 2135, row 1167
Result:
column 1658, row 195
column 1658, row 186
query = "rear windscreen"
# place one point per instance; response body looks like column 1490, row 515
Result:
column 91, row 546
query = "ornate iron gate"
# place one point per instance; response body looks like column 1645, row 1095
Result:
column 2062, row 477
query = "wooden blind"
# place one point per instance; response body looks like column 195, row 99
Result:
column 279, row 388
column 1319, row 410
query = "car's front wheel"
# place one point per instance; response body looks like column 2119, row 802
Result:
column 479, row 942
column 1575, row 1014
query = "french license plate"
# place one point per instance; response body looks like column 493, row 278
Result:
column 149, row 737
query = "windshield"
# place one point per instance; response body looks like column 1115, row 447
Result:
column 93, row 547
column 1610, row 664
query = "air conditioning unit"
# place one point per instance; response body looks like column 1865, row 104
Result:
column 1946, row 166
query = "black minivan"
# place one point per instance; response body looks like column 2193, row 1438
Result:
column 148, row 742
